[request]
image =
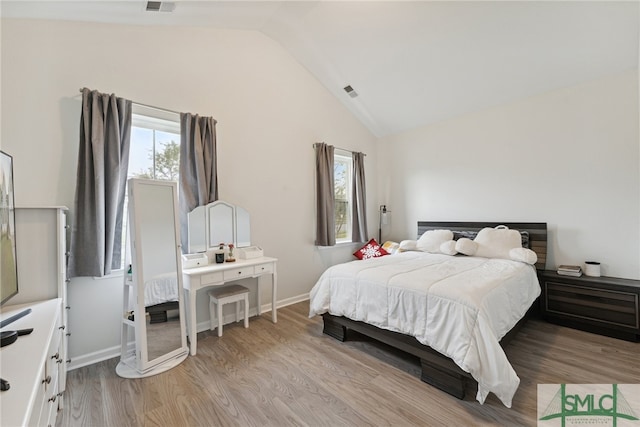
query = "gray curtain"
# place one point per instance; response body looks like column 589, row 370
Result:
column 103, row 159
column 325, row 196
column 198, row 170
column 359, row 205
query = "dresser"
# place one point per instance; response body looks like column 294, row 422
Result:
column 41, row 245
column 198, row 278
column 604, row 305
column 33, row 366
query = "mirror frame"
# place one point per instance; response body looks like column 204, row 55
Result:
column 142, row 365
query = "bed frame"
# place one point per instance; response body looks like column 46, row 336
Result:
column 437, row 369
column 158, row 312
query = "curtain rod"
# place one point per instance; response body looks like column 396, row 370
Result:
column 343, row 149
column 148, row 106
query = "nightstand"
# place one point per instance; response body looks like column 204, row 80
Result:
column 602, row 305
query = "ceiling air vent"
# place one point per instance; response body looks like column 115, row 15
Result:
column 352, row 93
column 160, row 6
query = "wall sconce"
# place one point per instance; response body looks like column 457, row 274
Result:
column 385, row 218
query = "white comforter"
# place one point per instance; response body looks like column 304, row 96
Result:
column 161, row 288
column 459, row 306
column 157, row 290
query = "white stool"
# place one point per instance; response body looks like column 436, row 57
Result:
column 228, row 294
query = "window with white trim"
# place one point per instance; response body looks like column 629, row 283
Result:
column 342, row 172
column 154, row 152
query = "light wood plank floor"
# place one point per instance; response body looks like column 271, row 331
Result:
column 289, row 373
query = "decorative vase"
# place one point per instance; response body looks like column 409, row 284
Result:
column 230, row 257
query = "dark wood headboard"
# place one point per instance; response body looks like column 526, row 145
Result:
column 537, row 233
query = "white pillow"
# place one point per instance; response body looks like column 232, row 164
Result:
column 523, row 255
column 466, row 246
column 407, row 245
column 448, row 247
column 497, row 242
column 431, row 240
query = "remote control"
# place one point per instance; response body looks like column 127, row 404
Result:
column 13, row 318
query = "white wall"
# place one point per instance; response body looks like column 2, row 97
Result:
column 569, row 158
column 270, row 111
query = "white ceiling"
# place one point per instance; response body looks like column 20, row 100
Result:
column 412, row 63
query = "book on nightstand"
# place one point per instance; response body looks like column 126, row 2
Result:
column 570, row 270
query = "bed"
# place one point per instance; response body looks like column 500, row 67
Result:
column 453, row 312
column 160, row 295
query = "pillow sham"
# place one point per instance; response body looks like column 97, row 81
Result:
column 391, row 247
column 448, row 247
column 497, row 242
column 431, row 240
column 523, row 255
column 466, row 246
column 408, row 245
column 371, row 249
column 457, row 235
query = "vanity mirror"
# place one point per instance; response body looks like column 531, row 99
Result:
column 153, row 324
column 222, row 223
column 197, row 226
column 218, row 222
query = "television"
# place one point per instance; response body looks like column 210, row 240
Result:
column 8, row 259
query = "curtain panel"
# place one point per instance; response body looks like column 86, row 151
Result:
column 198, row 167
column 359, row 205
column 325, row 196
column 103, row 159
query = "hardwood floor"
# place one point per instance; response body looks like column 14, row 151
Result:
column 289, row 373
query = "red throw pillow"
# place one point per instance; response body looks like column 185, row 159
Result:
column 371, row 250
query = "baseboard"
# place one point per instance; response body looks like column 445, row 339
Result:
column 109, row 353
column 95, row 357
column 286, row 302
column 266, row 308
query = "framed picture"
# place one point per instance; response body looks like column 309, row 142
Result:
column 8, row 261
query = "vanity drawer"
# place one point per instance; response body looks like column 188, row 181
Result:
column 210, row 278
column 238, row 273
column 263, row 268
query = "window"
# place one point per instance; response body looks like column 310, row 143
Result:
column 154, row 152
column 342, row 172
column 155, row 148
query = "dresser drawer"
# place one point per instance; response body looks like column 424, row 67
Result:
column 39, row 405
column 211, row 278
column 238, row 273
column 263, row 268
column 55, row 359
column 45, row 406
column 603, row 305
column 50, row 408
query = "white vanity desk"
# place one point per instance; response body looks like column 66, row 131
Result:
column 219, row 274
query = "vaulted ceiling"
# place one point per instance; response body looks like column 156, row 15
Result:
column 411, row 63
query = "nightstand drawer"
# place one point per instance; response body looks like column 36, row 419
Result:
column 603, row 305
column 238, row 273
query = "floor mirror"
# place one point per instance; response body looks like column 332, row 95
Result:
column 153, row 324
